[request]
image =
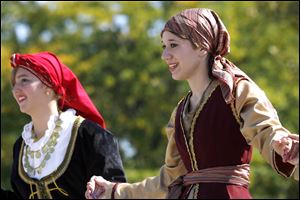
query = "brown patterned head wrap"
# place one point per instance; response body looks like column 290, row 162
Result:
column 205, row 30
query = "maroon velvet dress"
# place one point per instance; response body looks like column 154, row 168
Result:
column 217, row 141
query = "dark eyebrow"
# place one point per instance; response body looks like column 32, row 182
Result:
column 21, row 76
column 170, row 40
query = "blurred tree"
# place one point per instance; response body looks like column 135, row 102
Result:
column 115, row 49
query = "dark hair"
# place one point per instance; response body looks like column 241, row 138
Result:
column 210, row 63
column 13, row 76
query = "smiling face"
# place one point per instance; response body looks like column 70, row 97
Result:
column 184, row 61
column 29, row 92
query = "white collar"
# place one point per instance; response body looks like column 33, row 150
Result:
column 27, row 130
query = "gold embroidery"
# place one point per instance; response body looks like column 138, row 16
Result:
column 235, row 114
column 31, row 196
column 58, row 188
column 42, row 185
column 233, row 108
column 210, row 89
column 183, row 131
column 47, row 150
column 190, row 148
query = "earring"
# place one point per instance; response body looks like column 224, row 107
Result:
column 48, row 93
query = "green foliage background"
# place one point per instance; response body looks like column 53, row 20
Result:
column 114, row 48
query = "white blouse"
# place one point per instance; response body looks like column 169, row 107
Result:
column 57, row 156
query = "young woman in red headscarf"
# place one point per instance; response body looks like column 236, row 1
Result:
column 214, row 127
column 66, row 141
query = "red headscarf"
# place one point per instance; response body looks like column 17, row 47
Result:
column 204, row 29
column 53, row 73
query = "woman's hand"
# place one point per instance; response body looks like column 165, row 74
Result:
column 288, row 148
column 97, row 188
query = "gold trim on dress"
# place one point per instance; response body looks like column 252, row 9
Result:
column 233, row 108
column 183, row 131
column 235, row 114
column 41, row 186
column 46, row 150
column 206, row 95
column 276, row 167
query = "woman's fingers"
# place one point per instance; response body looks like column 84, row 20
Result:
column 292, row 155
column 96, row 187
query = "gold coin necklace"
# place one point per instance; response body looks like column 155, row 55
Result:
column 46, row 150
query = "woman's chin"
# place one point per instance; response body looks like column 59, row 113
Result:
column 176, row 77
column 23, row 110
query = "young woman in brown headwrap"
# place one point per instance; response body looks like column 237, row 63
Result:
column 213, row 128
column 66, row 141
